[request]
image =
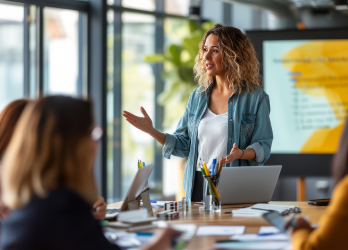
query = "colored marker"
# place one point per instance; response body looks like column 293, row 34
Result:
column 213, row 167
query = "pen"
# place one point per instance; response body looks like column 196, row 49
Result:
column 153, row 201
column 143, row 164
column 269, row 210
column 265, row 234
column 138, row 164
column 144, row 233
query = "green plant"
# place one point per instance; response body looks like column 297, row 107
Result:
column 179, row 60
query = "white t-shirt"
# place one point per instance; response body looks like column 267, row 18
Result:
column 212, row 138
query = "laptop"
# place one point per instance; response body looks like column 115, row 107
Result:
column 138, row 185
column 239, row 185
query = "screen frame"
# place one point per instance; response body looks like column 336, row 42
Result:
column 303, row 165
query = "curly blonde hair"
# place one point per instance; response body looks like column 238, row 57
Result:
column 238, row 60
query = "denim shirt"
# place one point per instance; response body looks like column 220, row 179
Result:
column 249, row 126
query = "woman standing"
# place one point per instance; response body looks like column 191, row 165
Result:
column 227, row 115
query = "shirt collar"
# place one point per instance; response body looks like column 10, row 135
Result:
column 210, row 87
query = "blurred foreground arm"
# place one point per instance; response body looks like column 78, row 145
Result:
column 332, row 232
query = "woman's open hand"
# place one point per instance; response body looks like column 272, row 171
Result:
column 236, row 153
column 142, row 123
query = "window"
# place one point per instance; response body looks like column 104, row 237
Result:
column 61, row 66
column 135, row 31
column 140, row 4
column 63, row 50
column 174, row 31
column 177, row 7
column 137, row 90
column 11, row 53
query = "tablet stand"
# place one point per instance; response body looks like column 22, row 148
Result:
column 145, row 197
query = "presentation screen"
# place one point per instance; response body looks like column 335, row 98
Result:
column 307, row 81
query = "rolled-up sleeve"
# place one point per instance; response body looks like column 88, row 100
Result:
column 178, row 143
column 261, row 140
column 259, row 152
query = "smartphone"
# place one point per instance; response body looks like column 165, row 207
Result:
column 320, row 202
column 276, row 220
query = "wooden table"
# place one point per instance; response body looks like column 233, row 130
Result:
column 201, row 218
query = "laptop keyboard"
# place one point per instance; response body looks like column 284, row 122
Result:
column 112, row 211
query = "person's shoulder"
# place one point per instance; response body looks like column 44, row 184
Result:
column 55, row 202
column 66, row 199
column 195, row 94
column 256, row 94
column 339, row 201
column 342, row 186
column 197, row 91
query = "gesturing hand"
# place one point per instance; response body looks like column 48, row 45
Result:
column 142, row 123
column 236, row 153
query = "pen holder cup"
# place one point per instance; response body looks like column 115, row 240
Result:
column 211, row 196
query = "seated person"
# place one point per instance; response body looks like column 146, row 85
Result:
column 332, row 232
column 47, row 180
column 8, row 120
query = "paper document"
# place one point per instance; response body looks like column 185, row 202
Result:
column 255, row 237
column 220, row 230
column 252, row 245
column 267, row 230
column 246, row 212
column 260, row 209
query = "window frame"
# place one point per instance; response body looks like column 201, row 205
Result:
column 94, row 70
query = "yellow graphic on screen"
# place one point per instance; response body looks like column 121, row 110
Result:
column 320, row 69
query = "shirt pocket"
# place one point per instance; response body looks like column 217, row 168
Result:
column 247, row 125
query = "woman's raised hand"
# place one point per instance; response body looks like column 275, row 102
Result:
column 142, row 123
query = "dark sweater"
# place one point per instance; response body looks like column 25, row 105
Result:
column 62, row 220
